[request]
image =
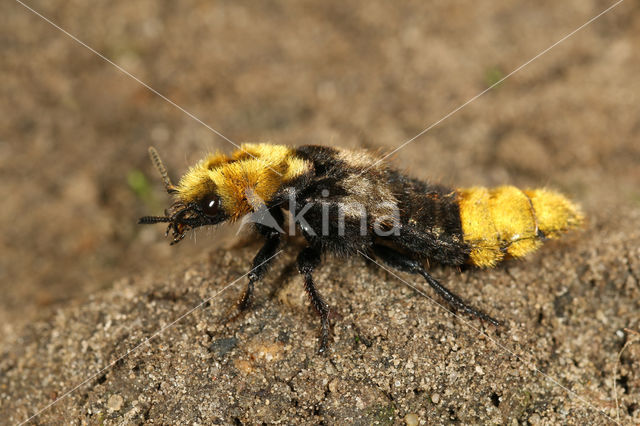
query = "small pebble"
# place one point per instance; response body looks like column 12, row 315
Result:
column 411, row 419
column 535, row 419
column 115, row 402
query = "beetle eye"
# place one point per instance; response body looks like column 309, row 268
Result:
column 210, row 206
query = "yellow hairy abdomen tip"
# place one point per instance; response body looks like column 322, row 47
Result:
column 555, row 213
column 513, row 217
column 478, row 227
column 506, row 220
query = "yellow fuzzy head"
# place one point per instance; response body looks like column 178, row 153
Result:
column 224, row 188
column 252, row 174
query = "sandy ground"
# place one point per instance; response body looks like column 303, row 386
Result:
column 81, row 282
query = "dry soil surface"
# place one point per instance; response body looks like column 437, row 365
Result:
column 82, row 284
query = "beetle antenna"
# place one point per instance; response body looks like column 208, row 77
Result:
column 155, row 158
column 147, row 220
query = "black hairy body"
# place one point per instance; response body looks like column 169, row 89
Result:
column 349, row 203
column 421, row 208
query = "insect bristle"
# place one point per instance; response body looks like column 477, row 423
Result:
column 157, row 162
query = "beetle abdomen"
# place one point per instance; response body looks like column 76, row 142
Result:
column 502, row 221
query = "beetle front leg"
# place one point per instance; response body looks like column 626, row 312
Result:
column 261, row 261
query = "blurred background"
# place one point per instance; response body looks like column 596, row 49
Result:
column 74, row 130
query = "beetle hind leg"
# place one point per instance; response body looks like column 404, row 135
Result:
column 406, row 264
